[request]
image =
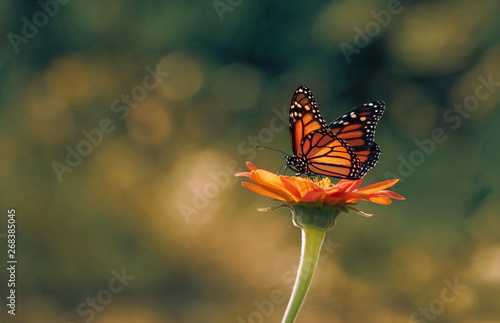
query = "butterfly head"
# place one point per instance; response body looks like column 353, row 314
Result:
column 298, row 164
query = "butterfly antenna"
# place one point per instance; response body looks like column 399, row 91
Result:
column 284, row 153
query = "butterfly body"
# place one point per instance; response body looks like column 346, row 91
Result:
column 298, row 164
column 343, row 149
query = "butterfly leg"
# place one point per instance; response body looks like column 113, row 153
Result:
column 281, row 167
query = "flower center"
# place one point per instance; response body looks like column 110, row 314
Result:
column 324, row 182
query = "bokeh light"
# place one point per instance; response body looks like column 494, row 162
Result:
column 185, row 76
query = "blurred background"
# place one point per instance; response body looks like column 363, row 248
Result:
column 123, row 123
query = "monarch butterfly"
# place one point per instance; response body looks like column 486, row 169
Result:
column 343, row 149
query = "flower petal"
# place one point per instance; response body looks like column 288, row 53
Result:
column 245, row 174
column 272, row 183
column 381, row 200
column 378, row 186
column 313, row 196
column 298, row 186
column 251, row 166
column 271, row 208
column 349, row 195
column 261, row 191
column 336, row 198
column 348, row 185
column 299, row 189
column 289, row 184
column 305, row 185
column 359, row 211
column 387, row 194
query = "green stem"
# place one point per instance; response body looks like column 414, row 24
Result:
column 312, row 239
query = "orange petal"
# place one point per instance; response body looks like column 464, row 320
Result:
column 261, row 176
column 378, row 186
column 245, row 174
column 299, row 186
column 272, row 183
column 381, row 200
column 305, row 185
column 261, row 191
column 251, row 166
column 313, row 196
column 290, row 185
column 388, row 194
column 355, row 196
column 348, row 197
column 348, row 185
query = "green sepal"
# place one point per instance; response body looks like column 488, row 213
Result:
column 316, row 215
column 350, row 207
column 271, row 208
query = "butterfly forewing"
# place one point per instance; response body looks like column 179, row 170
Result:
column 304, row 116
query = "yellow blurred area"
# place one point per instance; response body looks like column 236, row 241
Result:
column 149, row 124
column 440, row 36
column 46, row 110
column 207, row 116
column 68, row 80
column 129, row 312
column 114, row 172
column 185, row 76
column 201, row 174
column 486, row 263
column 410, row 269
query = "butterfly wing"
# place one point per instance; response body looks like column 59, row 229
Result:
column 345, row 149
column 357, row 126
column 329, row 155
column 304, row 117
column 368, row 158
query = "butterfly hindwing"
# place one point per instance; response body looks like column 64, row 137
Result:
column 329, row 155
column 357, row 126
column 368, row 158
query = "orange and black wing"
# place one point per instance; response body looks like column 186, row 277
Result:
column 368, row 158
column 327, row 154
column 345, row 149
column 357, row 128
column 304, row 117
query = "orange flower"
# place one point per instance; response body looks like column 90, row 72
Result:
column 315, row 206
column 298, row 189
